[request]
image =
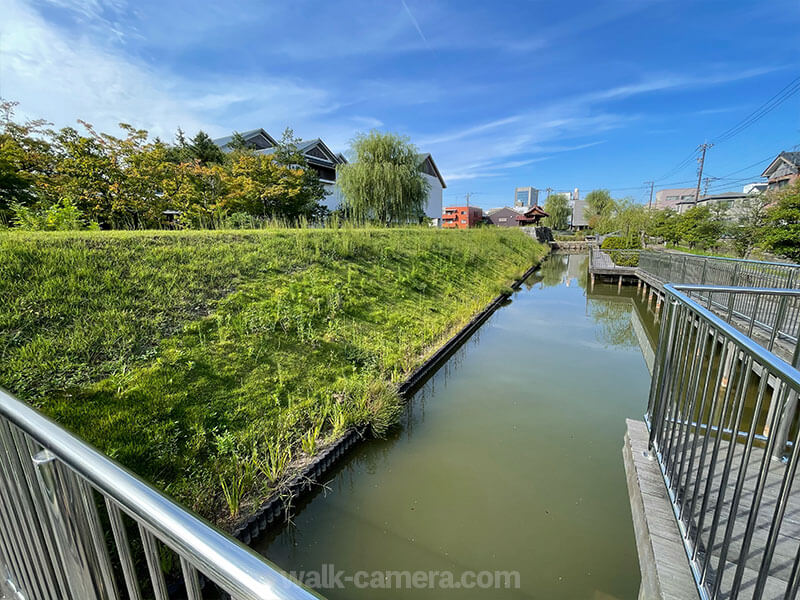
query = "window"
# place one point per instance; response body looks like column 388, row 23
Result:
column 463, row 212
column 463, row 222
column 502, row 219
column 522, row 197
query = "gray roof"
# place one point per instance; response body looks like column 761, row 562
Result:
column 790, row 157
column 223, row 141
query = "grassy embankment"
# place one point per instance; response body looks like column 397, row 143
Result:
column 209, row 361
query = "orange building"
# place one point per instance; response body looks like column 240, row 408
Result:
column 461, row 217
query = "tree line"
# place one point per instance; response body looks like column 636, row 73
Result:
column 71, row 179
column 768, row 222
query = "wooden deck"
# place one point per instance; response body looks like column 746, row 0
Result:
column 788, row 543
column 601, row 264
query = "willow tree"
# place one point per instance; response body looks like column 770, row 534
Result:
column 383, row 182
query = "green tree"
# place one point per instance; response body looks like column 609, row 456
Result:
column 699, row 228
column 599, row 206
column 383, row 182
column 631, row 220
column 781, row 230
column 204, row 150
column 557, row 207
column 745, row 233
column 664, row 224
column 26, row 159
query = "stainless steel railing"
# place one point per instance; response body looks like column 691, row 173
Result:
column 66, row 510
column 670, row 267
column 759, row 298
column 723, row 423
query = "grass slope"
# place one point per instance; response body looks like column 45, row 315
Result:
column 208, row 361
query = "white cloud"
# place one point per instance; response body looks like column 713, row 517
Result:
column 63, row 77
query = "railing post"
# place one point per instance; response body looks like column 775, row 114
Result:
column 661, row 370
column 789, row 410
column 62, row 513
column 683, row 270
column 703, row 274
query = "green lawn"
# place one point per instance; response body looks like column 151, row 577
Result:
column 206, row 361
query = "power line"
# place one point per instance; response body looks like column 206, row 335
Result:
column 779, row 98
column 679, row 166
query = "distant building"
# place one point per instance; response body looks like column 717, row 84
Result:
column 579, row 220
column 318, row 156
column 502, row 217
column 461, row 217
column 783, row 171
column 676, row 199
column 433, row 205
column 754, row 188
column 324, row 162
column 518, row 216
column 730, row 205
column 526, row 196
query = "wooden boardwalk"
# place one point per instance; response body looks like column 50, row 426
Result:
column 709, row 495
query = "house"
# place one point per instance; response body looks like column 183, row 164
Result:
column 318, row 156
column 676, row 199
column 783, row 171
column 324, row 161
column 431, row 173
column 517, row 216
column 730, row 205
column 461, row 217
column 502, row 217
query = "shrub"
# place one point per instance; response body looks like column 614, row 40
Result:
column 622, row 259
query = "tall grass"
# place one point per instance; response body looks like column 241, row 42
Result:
column 207, row 361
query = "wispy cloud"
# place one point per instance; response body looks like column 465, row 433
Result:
column 414, row 21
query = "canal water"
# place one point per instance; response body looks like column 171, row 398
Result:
column 509, row 459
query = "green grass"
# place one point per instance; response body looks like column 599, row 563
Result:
column 208, row 361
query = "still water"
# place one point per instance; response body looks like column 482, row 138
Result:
column 509, row 459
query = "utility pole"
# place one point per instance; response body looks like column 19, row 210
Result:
column 651, row 184
column 702, row 161
column 467, row 195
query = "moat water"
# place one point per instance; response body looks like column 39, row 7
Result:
column 508, row 459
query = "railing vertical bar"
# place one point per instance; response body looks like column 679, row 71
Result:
column 690, row 392
column 123, row 550
column 150, row 545
column 10, row 531
column 20, row 451
column 101, row 559
column 699, row 360
column 757, row 495
column 712, row 469
column 741, row 477
column 697, row 434
column 675, row 389
column 191, row 580
column 777, row 518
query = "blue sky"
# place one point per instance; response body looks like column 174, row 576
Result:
column 503, row 94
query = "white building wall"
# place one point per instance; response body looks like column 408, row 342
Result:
column 433, row 207
column 333, row 197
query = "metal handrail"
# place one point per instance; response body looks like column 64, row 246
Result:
column 53, row 542
column 711, row 380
